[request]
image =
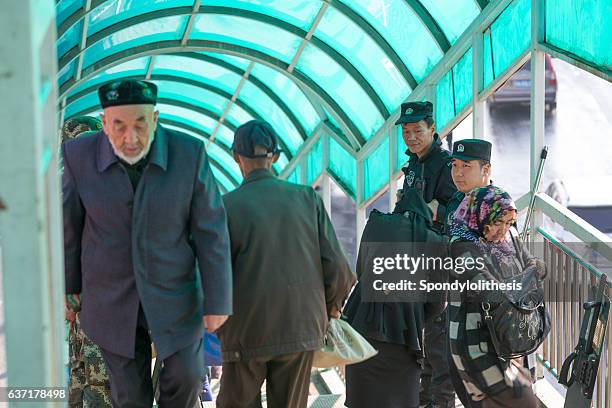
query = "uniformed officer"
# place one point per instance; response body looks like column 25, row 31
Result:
column 471, row 168
column 429, row 171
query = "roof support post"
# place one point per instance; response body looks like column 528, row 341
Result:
column 83, row 43
column 478, row 105
column 393, row 147
column 325, row 180
column 360, row 209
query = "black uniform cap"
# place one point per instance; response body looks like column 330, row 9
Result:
column 255, row 133
column 129, row 92
column 415, row 111
column 471, row 149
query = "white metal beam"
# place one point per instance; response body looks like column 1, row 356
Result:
column 244, row 78
column 83, row 41
column 392, row 187
column 309, row 34
column 150, row 66
column 189, row 26
column 478, row 105
column 360, row 210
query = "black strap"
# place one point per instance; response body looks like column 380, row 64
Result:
column 565, row 369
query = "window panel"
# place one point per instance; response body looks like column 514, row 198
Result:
column 413, row 42
column 238, row 116
column 69, row 39
column 582, row 28
column 510, row 36
column 115, row 11
column 315, row 162
column 363, row 53
column 342, row 88
column 453, row 16
column 299, row 13
column 161, row 29
column 295, row 177
column 272, row 113
column 239, row 62
column 248, row 33
column 401, row 158
column 66, row 73
column 191, row 94
column 462, row 81
column 85, row 103
column 376, row 170
column 222, row 179
column 290, row 93
column 224, row 159
column 201, row 71
column 66, row 8
column 135, row 67
column 445, row 103
column 342, row 166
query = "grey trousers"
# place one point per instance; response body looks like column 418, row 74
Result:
column 179, row 381
column 287, row 381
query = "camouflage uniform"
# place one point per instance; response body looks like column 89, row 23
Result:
column 89, row 385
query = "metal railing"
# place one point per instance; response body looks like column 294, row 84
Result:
column 567, row 286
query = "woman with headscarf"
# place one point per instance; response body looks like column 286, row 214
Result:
column 481, row 230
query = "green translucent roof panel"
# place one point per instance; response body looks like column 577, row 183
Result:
column 404, row 31
column 342, row 166
column 238, row 116
column 299, row 13
column 290, row 93
column 194, row 119
column 454, row 90
column 315, row 162
column 271, row 112
column 65, row 8
column 191, row 94
column 69, row 39
column 83, row 104
column 582, row 28
column 238, row 62
column 161, row 29
column 135, row 67
column 363, row 53
column 462, row 81
column 66, row 73
column 294, row 177
column 376, row 170
column 445, row 103
column 114, row 11
column 342, row 88
column 201, row 71
column 222, row 179
column 246, row 32
column 507, row 38
column 453, row 16
column 224, row 159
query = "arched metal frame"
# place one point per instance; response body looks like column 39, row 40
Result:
column 186, row 47
column 208, row 87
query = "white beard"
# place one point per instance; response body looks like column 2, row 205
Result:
column 133, row 159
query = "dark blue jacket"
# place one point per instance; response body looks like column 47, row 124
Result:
column 124, row 247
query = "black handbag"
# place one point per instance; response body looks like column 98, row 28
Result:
column 520, row 322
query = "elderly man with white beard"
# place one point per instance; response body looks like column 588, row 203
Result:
column 141, row 206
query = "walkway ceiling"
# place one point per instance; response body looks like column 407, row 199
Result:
column 296, row 63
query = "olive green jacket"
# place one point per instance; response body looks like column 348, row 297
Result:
column 289, row 269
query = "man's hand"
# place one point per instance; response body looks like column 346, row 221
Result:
column 433, row 206
column 213, row 322
column 334, row 313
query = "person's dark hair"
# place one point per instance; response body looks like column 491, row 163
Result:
column 483, row 162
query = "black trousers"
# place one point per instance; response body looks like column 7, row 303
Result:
column 287, row 381
column 436, row 384
column 390, row 379
column 179, row 381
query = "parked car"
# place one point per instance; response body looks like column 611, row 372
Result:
column 517, row 89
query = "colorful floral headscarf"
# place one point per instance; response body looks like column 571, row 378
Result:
column 480, row 207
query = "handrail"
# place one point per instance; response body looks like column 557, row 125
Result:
column 568, row 251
